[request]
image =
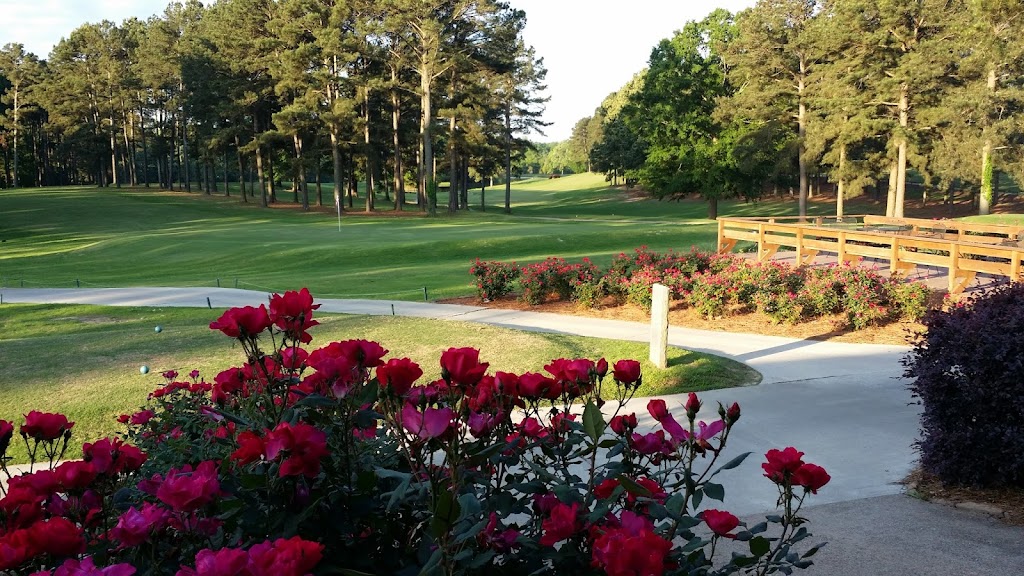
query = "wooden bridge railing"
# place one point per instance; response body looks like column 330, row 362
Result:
column 965, row 249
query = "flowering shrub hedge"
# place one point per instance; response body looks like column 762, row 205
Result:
column 713, row 284
column 554, row 276
column 339, row 460
column 965, row 372
column 494, row 279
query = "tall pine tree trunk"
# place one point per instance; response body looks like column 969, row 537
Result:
column 890, row 200
column 901, row 174
column 17, row 125
column 145, row 150
column 508, row 158
column 802, row 134
column 368, row 152
column 241, row 165
column 339, row 182
column 227, row 179
column 300, row 171
column 426, row 124
column 841, row 188
column 396, row 112
column 987, row 168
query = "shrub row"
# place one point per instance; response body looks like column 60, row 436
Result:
column 714, row 285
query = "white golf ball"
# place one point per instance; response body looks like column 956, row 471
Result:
column 158, row 329
column 144, row 369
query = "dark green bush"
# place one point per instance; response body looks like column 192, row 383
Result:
column 967, row 374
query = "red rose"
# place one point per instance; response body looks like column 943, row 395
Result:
column 57, row 536
column 575, row 371
column 304, row 445
column 623, row 424
column 811, row 476
column 601, row 369
column 462, row 366
column 137, row 526
column 507, row 384
column 294, row 358
column 25, row 494
column 657, row 493
column 652, row 443
column 291, row 557
column 6, row 433
column 561, row 524
column 43, row 426
column 721, row 523
column 733, row 413
column 86, row 567
column 604, row 489
column 223, row 562
column 142, row 417
column 657, row 409
column 535, row 386
column 431, row 423
column 293, row 313
column 16, row 548
column 75, row 475
column 532, row 428
column 187, row 490
column 242, row 322
column 128, row 459
column 250, row 448
column 782, row 464
column 398, row 375
column 626, row 371
column 630, row 548
column 692, row 405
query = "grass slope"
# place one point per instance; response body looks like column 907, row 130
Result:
column 124, row 237
column 84, row 360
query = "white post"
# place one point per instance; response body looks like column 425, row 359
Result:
column 659, row 325
column 337, row 204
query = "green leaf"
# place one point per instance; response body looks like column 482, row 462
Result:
column 316, row 401
column 468, row 506
column 232, row 418
column 398, row 493
column 759, row 546
column 731, row 463
column 593, row 421
column 446, row 510
column 715, row 491
column 813, row 550
column 632, row 487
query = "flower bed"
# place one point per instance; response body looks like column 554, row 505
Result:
column 714, row 285
column 340, row 461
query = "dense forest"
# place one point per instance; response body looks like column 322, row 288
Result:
column 789, row 93
column 388, row 93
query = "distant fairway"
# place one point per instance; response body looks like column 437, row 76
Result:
column 148, row 237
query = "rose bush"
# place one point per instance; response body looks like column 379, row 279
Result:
column 340, row 460
column 713, row 284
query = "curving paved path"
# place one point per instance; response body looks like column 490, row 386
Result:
column 845, row 405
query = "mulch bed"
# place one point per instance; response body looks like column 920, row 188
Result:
column 1009, row 502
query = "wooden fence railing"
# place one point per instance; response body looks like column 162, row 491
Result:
column 964, row 249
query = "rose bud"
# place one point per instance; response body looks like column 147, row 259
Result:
column 692, row 406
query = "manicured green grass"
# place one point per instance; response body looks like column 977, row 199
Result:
column 84, row 360
column 1012, row 219
column 130, row 237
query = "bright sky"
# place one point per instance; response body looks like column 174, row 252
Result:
column 591, row 47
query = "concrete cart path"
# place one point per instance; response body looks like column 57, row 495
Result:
column 845, row 405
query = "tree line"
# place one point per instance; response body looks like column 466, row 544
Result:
column 379, row 92
column 860, row 91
